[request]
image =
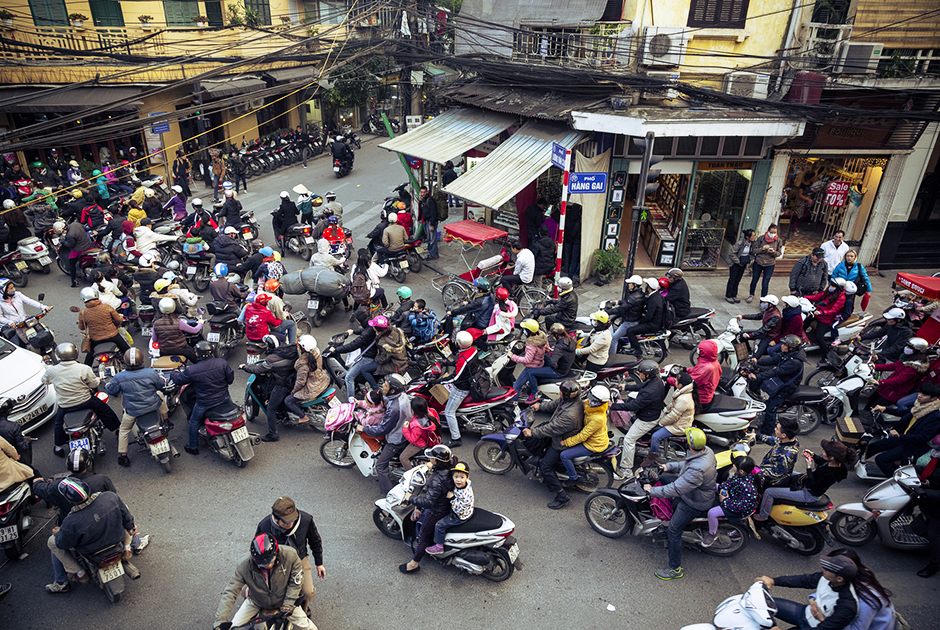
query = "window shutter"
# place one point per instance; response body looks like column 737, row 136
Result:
column 718, row 13
column 49, row 12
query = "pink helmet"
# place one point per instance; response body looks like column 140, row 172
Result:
column 380, row 321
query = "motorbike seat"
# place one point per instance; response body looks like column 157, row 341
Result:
column 108, row 346
column 215, row 308
column 148, row 421
column 606, row 452
column 851, row 320
column 481, row 521
column 77, row 419
column 223, row 318
column 807, row 393
column 495, row 392
column 10, row 491
column 724, row 404
column 694, row 314
column 821, row 503
column 168, row 362
column 97, row 557
column 621, row 359
column 224, row 411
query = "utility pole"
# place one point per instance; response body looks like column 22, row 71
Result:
column 647, row 186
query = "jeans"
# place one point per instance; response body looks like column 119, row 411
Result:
column 771, row 494
column 389, row 452
column 619, row 334
column 570, row 453
column 904, row 405
column 792, row 612
column 547, row 466
column 532, row 375
column 682, row 516
column 287, row 327
column 767, row 272
column 117, row 339
column 364, row 366
column 293, row 405
column 735, row 273
column 195, row 420
column 658, row 436
column 888, row 452
column 430, row 231
column 101, row 409
column 240, row 177
column 440, row 529
column 215, row 187
column 456, row 397
column 278, row 393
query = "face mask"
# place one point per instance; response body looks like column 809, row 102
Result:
column 764, row 306
column 771, row 237
column 908, row 351
column 830, row 289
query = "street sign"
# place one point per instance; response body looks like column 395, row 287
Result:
column 585, row 183
column 558, row 155
column 162, row 126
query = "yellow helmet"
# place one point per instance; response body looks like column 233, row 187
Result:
column 161, row 284
column 695, row 438
column 600, row 316
column 531, row 325
column 77, row 193
column 317, row 202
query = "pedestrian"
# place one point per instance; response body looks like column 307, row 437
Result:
column 534, row 216
column 238, row 167
column 834, row 250
column 853, row 271
column 218, row 172
column 765, row 250
column 740, row 259
column 429, row 218
column 181, row 170
column 810, row 274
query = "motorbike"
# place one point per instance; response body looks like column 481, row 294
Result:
column 614, row 512
column 41, row 340
column 197, row 267
column 344, row 447
column 481, row 545
column 145, row 314
column 153, row 434
column 502, row 369
column 403, row 196
column 886, row 511
column 482, row 417
column 844, row 361
column 257, row 393
column 498, row 453
column 875, row 429
column 85, row 260
column 108, row 361
column 854, row 325
column 224, row 430
column 84, row 429
column 15, row 268
column 376, row 125
column 298, row 240
column 15, row 521
column 693, row 329
column 404, row 261
column 35, row 253
column 342, row 168
column 107, row 569
column 224, row 328
column 352, row 139
column 753, row 610
column 653, row 346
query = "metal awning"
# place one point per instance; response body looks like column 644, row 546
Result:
column 52, row 100
column 452, row 133
column 286, row 75
column 232, row 87
column 513, row 165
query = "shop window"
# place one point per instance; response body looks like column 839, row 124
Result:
column 633, row 148
column 49, row 12
column 722, row 195
column 619, row 144
column 262, row 8
column 732, row 146
column 709, row 146
column 831, row 11
column 754, row 146
column 214, row 13
column 687, row 146
column 180, row 13
column 662, row 146
column 718, row 13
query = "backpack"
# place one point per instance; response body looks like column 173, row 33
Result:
column 669, row 315
column 479, row 381
column 443, row 211
column 425, row 327
column 360, row 286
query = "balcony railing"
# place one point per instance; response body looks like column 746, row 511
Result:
column 574, row 47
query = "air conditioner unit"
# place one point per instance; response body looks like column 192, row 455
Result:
column 664, row 45
column 669, row 78
column 257, row 103
column 747, row 84
column 856, row 58
column 240, row 108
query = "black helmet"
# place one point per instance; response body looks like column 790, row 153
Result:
column 263, row 550
column 203, row 350
column 133, row 358
column 569, row 388
column 648, row 367
column 439, row 452
column 792, row 342
column 6, row 406
column 77, row 460
column 74, row 490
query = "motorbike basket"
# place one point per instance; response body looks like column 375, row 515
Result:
column 741, row 351
column 41, row 340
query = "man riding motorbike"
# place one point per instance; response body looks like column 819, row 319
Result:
column 342, row 152
column 678, row 294
column 567, row 421
column 786, row 367
column 652, row 320
column 141, row 393
column 279, row 363
column 397, row 412
column 630, row 310
column 210, row 378
column 224, row 291
column 646, row 407
column 563, row 310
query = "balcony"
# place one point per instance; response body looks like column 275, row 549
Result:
column 615, row 45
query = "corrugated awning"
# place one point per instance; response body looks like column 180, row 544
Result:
column 51, row 100
column 450, row 134
column 513, row 165
column 293, row 74
column 232, row 87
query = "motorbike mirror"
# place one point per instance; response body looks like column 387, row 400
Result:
column 41, row 297
column 75, row 309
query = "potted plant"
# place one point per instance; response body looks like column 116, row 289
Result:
column 285, row 20
column 6, row 18
column 201, row 21
column 607, row 264
column 77, row 19
column 145, row 20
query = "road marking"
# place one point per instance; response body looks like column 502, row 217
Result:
column 362, row 217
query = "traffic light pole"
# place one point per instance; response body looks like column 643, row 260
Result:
column 639, row 208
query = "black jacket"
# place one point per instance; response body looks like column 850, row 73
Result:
column 251, row 265
column 846, row 606
column 787, row 366
column 566, row 307
column 146, row 278
column 562, row 355
column 480, row 310
column 678, row 296
column 654, row 310
column 341, row 150
column 231, row 211
column 375, row 236
column 806, row 279
column 279, row 364
column 102, row 521
column 898, row 336
column 285, row 216
column 649, row 402
column 210, row 378
column 400, row 317
column 153, row 208
column 12, row 432
column 435, row 494
column 567, row 420
column 365, row 339
column 227, row 250
column 48, row 491
column 304, row 535
column 543, row 248
column 631, row 309
column 429, row 210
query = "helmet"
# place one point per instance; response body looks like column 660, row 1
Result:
column 77, row 460
column 483, row 284
column 161, row 284
column 77, row 194
column 893, row 313
column 396, row 384
column 66, row 351
column 392, row 217
column 792, row 342
column 123, row 162
column 96, row 172
column 74, row 490
column 272, row 285
column 88, row 293
column 176, row 189
column 221, row 269
column 332, row 219
column 850, row 287
column 790, row 300
column 379, row 321
column 653, row 283
column 170, row 275
column 133, row 357
column 569, row 388
column 257, row 244
column 464, row 339
column 285, row 194
column 531, row 325
column 167, row 305
column 648, row 367
column 307, row 342
column 635, row 280
column 919, row 344
column 262, row 299
column 600, row 316
column 675, row 273
column 226, row 185
column 840, row 282
column 266, row 251
column 665, row 283
column 8, row 203
column 197, row 202
column 502, row 294
column 330, row 195
column 404, row 292
column 263, row 550
column 565, row 284
column 229, row 193
column 439, row 452
column 695, row 438
column 270, row 341
column 59, row 227
column 203, row 350
column 149, row 192
column 558, row 329
column 598, row 396
column 400, row 205
column 229, row 229
column 770, row 299
column 147, row 259
column 173, row 265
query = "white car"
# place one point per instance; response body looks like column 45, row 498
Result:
column 21, row 380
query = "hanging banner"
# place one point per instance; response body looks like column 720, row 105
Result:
column 837, row 193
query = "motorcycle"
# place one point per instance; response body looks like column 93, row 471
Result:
column 152, row 433
column 753, row 610
column 107, row 568
column 344, row 447
column 732, row 346
column 854, row 325
column 197, row 266
column 35, row 253
column 481, row 545
column 224, row 328
column 342, row 168
column 482, row 417
column 654, row 346
column 257, row 396
column 108, row 361
column 498, row 453
column 502, row 370
column 224, row 430
column 15, row 521
column 84, row 429
column 401, row 262
column 693, row 329
column 41, row 340
column 298, row 240
column 15, row 268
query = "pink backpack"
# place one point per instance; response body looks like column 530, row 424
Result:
column 662, row 508
column 338, row 415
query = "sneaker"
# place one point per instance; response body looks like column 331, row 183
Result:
column 730, row 300
column 270, row 437
column 561, row 500
column 749, row 299
column 669, row 574
column 532, row 399
column 123, row 461
column 454, row 443
column 436, row 549
column 79, row 579
column 737, row 301
column 144, row 541
column 58, row 451
column 5, row 588
column 709, row 539
column 58, row 587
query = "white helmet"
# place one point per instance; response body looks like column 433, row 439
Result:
column 167, row 305
column 329, row 195
column 464, row 339
column 392, row 217
column 59, row 227
column 806, row 306
column 230, row 229
column 229, row 193
column 771, row 299
column 227, row 185
column 635, row 280
column 850, row 288
column 339, row 138
column 653, row 283
column 197, row 202
column 893, row 313
column 307, row 342
column 285, row 194
column 918, row 344
column 147, row 259
column 149, row 192
column 565, row 283
column 790, row 300
column 177, row 189
column 9, row 203
column 599, row 393
column 88, row 294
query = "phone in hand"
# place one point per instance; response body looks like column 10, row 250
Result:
column 808, row 454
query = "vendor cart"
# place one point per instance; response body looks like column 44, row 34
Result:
column 927, row 287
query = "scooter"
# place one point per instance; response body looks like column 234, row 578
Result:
column 152, row 433
column 107, row 569
column 108, row 361
column 807, row 405
column 342, row 168
column 84, row 429
column 843, row 333
column 482, row 417
column 875, row 429
column 298, row 240
column 693, row 329
column 41, row 340
column 482, row 545
column 35, row 253
column 405, row 261
column 653, row 346
column 256, row 400
column 732, row 347
column 225, row 330
column 15, row 268
column 886, row 511
column 345, row 447
column 753, row 610
column 501, row 373
column 844, row 360
column 224, row 430
column 15, row 521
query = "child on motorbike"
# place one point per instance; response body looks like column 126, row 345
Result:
column 737, row 497
column 422, row 431
column 369, row 412
column 461, row 505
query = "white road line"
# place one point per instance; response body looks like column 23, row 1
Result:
column 362, row 218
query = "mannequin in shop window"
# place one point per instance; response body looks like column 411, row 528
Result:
column 799, row 202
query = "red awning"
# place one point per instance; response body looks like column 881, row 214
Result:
column 473, row 232
column 924, row 286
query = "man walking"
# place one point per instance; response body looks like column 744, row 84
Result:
column 429, row 218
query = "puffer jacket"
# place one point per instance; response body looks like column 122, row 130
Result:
column 698, row 475
column 653, row 315
column 787, row 366
column 681, row 411
column 311, row 380
column 100, row 521
column 535, row 347
column 707, row 370
column 792, row 324
column 100, row 320
column 596, row 346
column 210, row 378
column 567, row 421
column 903, row 379
column 392, row 354
column 231, row 211
column 167, row 332
column 827, row 310
column 544, row 251
column 279, row 364
column 138, row 389
column 770, row 322
column 502, row 321
column 227, row 250
column 594, row 432
column 435, row 495
column 680, row 299
column 565, row 307
column 76, row 238
column 281, row 585
column 649, row 402
column 561, row 356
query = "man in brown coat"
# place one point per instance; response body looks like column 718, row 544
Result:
column 393, row 237
column 100, row 323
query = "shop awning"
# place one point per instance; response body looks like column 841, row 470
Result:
column 672, row 122
column 924, row 286
column 451, row 134
column 286, row 75
column 232, row 87
column 513, row 165
column 50, row 100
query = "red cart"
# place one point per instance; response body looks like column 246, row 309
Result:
column 927, row 287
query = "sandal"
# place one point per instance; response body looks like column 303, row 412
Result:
column 303, row 420
column 404, row 568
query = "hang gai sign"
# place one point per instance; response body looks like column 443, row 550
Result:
column 586, row 183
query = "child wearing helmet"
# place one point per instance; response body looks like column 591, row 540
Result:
column 771, row 324
column 592, row 438
column 536, row 343
column 678, row 416
column 502, row 319
column 737, row 497
column 259, row 320
column 401, row 317
column 596, row 346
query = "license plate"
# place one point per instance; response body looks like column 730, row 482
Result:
column 313, row 303
column 253, row 358
column 336, row 169
column 446, row 352
column 45, row 260
column 21, row 265
column 9, row 533
column 239, row 434
column 212, row 337
column 163, row 446
column 513, row 553
column 247, row 236
column 82, row 443
column 190, row 271
column 105, row 371
column 30, row 333
column 334, row 402
column 55, row 242
column 404, row 264
column 35, row 413
column 112, row 572
column 308, row 239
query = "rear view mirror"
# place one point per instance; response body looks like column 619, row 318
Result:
column 42, row 296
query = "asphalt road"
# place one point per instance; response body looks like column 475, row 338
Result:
column 202, row 516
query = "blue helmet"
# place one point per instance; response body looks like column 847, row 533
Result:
column 221, row 269
column 74, row 490
column 332, row 219
column 266, row 251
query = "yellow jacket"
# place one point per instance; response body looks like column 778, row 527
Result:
column 594, row 433
column 136, row 215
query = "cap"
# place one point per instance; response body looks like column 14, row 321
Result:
column 819, row 251
column 840, row 565
column 284, row 509
column 461, row 467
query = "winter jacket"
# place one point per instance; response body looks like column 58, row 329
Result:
column 544, row 251
column 279, row 364
column 48, row 491
column 791, row 324
column 12, row 432
column 778, row 462
column 838, row 604
column 903, row 380
column 561, row 355
column 258, row 321
column 281, row 586
column 364, row 341
column 594, row 433
column 737, row 255
column 893, row 346
column 428, row 210
column 109, row 294
column 93, row 215
column 392, row 354
column 422, row 432
column 76, row 239
column 224, row 291
column 827, row 310
column 227, row 250
column 653, row 316
column 742, row 494
column 210, row 379
column 681, row 411
column 285, row 216
column 679, row 297
column 435, row 494
column 231, row 211
column 856, row 274
column 99, row 522
column 567, row 421
column 565, row 308
column 770, row 322
column 147, row 240
column 707, row 370
column 397, row 411
column 167, row 332
column 807, row 278
column 596, row 346
column 649, row 402
column 631, row 309
column 535, row 347
column 915, row 433
column 11, row 471
column 400, row 316
column 74, row 382
column 371, row 414
column 698, row 474
column 100, row 320
column 765, row 253
column 787, row 366
column 249, row 267
column 178, row 205
column 502, row 321
column 394, row 237
column 311, row 380
column 463, row 364
column 139, row 390
column 302, row 535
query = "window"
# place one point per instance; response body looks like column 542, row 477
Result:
column 262, row 8
column 49, row 12
column 718, row 13
column 180, row 13
column 106, row 13
column 214, row 13
column 332, row 11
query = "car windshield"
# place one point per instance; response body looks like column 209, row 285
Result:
column 6, row 348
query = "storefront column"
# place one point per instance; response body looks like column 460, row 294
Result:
column 881, row 210
column 770, row 212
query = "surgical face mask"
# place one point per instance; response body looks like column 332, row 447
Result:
column 908, row 350
column 764, row 306
column 831, row 289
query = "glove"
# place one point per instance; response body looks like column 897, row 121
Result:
column 287, row 608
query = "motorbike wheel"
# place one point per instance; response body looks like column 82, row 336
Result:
column 60, row 262
column 386, row 523
column 35, row 266
column 316, row 317
column 167, row 468
column 655, row 350
column 367, row 128
column 238, row 460
column 397, row 273
column 811, row 541
column 305, row 252
column 491, row 458
column 500, row 568
column 454, row 292
column 731, row 538
column 593, row 475
column 698, row 333
column 605, row 516
column 251, row 407
column 255, row 168
column 823, row 377
column 225, row 344
column 17, row 277
column 414, row 262
column 807, row 417
column 336, row 453
column 529, row 299
column 852, row 530
column 201, row 281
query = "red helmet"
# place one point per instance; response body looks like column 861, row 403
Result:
column 262, row 299
column 271, row 285
column 502, row 294
column 664, row 283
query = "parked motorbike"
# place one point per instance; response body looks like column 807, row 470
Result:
column 35, row 253
column 15, row 268
column 15, row 521
column 257, row 394
column 225, row 330
column 152, row 433
column 224, row 430
column 481, row 545
column 84, row 429
column 753, row 610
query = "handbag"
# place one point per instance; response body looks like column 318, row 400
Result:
column 900, row 623
column 773, row 385
column 86, row 341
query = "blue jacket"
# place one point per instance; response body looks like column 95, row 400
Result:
column 394, row 418
column 210, row 378
column 858, row 275
column 139, row 389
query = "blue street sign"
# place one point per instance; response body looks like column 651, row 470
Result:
column 162, row 126
column 558, row 155
column 585, row 183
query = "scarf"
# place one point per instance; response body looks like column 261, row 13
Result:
column 768, row 238
column 931, row 465
column 919, row 411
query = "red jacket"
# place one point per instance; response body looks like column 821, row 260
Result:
column 792, row 325
column 707, row 370
column 257, row 320
column 423, row 436
column 826, row 313
column 902, row 382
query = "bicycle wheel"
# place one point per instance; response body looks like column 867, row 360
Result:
column 528, row 299
column 454, row 292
